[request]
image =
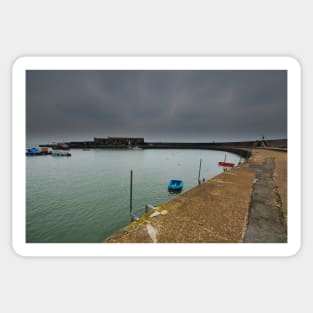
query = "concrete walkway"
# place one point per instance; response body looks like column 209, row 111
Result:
column 245, row 204
column 266, row 219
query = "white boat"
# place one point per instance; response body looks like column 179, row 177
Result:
column 60, row 153
column 136, row 148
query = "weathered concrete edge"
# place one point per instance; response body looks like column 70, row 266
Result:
column 266, row 222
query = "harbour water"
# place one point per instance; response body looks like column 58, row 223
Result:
column 85, row 198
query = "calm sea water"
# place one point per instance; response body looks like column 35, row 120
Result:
column 85, row 198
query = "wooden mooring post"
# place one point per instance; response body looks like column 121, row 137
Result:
column 131, row 194
column 133, row 217
column 199, row 181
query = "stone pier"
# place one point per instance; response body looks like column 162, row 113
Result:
column 247, row 203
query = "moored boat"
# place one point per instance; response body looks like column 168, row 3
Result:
column 36, row 151
column 33, row 151
column 175, row 185
column 60, row 153
column 226, row 164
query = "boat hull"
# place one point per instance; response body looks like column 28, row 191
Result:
column 60, row 153
column 226, row 164
column 175, row 185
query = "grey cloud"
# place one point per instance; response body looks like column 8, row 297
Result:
column 163, row 105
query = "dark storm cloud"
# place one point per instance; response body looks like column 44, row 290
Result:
column 200, row 105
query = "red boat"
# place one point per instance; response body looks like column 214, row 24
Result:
column 226, row 164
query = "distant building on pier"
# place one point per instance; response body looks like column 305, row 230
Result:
column 130, row 141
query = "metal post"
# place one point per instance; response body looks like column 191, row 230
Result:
column 199, row 182
column 131, row 193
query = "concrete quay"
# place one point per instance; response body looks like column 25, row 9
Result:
column 245, row 204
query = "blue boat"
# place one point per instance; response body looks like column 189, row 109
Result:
column 175, row 185
column 33, row 151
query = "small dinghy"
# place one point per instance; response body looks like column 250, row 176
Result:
column 33, row 151
column 40, row 151
column 175, row 185
column 226, row 164
column 60, row 153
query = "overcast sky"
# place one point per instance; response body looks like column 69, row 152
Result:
column 157, row 105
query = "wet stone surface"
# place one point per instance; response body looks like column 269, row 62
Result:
column 265, row 223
